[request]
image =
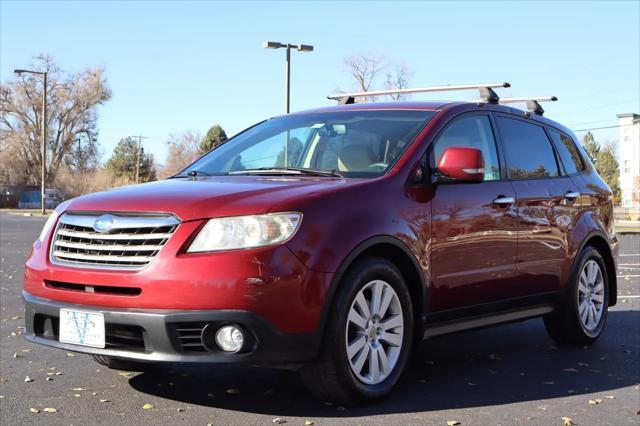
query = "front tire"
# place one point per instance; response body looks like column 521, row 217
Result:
column 369, row 333
column 581, row 317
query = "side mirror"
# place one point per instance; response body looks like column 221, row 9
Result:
column 462, row 164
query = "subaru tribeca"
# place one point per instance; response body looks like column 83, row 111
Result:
column 333, row 241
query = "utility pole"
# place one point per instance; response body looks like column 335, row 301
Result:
column 138, row 154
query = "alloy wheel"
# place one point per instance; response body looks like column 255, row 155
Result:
column 374, row 332
column 591, row 295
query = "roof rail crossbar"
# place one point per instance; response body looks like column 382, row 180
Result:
column 533, row 104
column 486, row 92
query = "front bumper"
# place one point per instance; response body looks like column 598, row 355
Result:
column 158, row 334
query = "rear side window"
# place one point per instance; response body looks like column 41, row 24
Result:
column 528, row 151
column 568, row 152
column 471, row 132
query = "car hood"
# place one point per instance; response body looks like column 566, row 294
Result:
column 204, row 197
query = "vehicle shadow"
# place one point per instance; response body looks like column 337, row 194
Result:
column 501, row 365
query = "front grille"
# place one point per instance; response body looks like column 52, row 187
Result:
column 189, row 336
column 128, row 242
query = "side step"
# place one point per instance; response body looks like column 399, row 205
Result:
column 454, row 326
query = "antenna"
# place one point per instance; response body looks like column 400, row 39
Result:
column 486, row 92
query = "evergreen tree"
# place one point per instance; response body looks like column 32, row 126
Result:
column 214, row 137
column 122, row 163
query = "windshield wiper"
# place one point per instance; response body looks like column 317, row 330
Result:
column 287, row 170
column 192, row 173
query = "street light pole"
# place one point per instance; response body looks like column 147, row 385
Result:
column 288, row 46
column 138, row 154
column 43, row 169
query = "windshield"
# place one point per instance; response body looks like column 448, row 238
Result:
column 347, row 143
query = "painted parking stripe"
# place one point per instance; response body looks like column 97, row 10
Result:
column 628, row 276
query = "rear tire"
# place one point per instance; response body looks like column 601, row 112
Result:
column 368, row 336
column 581, row 316
column 120, row 363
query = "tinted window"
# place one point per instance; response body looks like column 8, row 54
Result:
column 568, row 153
column 474, row 132
column 528, row 151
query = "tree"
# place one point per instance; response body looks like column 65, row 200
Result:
column 72, row 103
column 591, row 146
column 398, row 80
column 608, row 169
column 294, row 149
column 214, row 137
column 183, row 149
column 122, row 164
column 364, row 68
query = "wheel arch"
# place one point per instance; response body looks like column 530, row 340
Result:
column 599, row 242
column 401, row 256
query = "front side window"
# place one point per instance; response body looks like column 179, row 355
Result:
column 471, row 132
column 352, row 143
column 568, row 152
column 527, row 150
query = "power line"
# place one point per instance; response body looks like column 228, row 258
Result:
column 606, row 127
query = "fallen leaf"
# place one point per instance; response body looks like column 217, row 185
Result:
column 233, row 391
column 340, row 408
column 77, row 395
column 125, row 374
column 148, row 406
column 28, row 379
column 595, row 401
column 472, row 384
column 308, row 423
column 17, row 355
column 278, row 421
column 16, row 317
column 570, row 370
column 70, row 354
column 583, row 364
column 571, row 391
column 34, row 410
column 452, row 422
column 78, row 389
column 50, row 374
column 567, row 421
column 179, row 410
column 50, row 410
column 26, row 350
column 610, row 397
column 52, row 368
column 49, row 379
column 59, row 373
column 549, row 383
column 104, row 400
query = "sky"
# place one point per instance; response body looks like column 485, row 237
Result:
column 184, row 66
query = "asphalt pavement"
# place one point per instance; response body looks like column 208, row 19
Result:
column 508, row 375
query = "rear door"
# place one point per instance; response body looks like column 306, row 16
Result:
column 545, row 196
column 474, row 240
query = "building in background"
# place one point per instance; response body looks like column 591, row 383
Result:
column 629, row 145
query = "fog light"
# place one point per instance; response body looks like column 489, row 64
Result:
column 229, row 338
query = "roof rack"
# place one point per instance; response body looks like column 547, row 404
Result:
column 533, row 105
column 486, row 92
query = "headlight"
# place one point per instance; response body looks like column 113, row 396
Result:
column 240, row 232
column 48, row 225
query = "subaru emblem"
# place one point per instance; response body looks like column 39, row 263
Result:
column 103, row 224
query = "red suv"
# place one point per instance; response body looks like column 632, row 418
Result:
column 333, row 241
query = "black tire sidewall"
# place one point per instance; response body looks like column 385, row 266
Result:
column 365, row 272
column 589, row 253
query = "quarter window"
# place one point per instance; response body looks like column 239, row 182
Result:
column 568, row 152
column 473, row 132
column 528, row 151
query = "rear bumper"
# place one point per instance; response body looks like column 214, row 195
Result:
column 154, row 334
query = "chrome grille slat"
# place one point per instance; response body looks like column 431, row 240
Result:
column 107, row 247
column 132, row 242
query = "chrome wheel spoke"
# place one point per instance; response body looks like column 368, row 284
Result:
column 391, row 338
column 358, row 320
column 376, row 297
column 598, row 298
column 387, row 296
column 357, row 366
column 363, row 305
column 374, row 368
column 356, row 346
column 583, row 311
column 391, row 323
column 384, row 361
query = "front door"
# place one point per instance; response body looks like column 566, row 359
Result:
column 474, row 236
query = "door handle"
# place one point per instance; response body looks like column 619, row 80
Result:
column 504, row 201
column 571, row 195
